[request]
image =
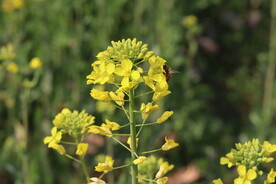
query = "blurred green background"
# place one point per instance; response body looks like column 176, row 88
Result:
column 224, row 93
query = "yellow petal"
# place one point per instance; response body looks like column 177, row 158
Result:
column 164, row 116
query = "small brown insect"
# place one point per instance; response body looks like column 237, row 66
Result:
column 168, row 72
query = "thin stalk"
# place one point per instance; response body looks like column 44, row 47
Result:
column 270, row 73
column 110, row 152
column 146, row 152
column 122, row 144
column 84, row 167
column 25, row 111
column 75, row 159
column 134, row 168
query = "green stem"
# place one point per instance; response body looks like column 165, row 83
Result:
column 84, row 167
column 122, row 166
column 147, row 124
column 134, row 168
column 146, row 152
column 25, row 111
column 69, row 156
column 122, row 144
column 270, row 73
column 141, row 127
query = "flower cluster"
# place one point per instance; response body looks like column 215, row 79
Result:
column 122, row 65
column 76, row 124
column 11, row 5
column 154, row 169
column 248, row 157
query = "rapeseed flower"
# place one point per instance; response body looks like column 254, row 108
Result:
column 12, row 68
column 270, row 177
column 105, row 128
column 100, row 95
column 118, row 97
column 164, row 168
column 82, row 148
column 106, row 166
column 54, row 139
column 35, row 63
column 11, row 5
column 245, row 176
column 146, row 109
column 95, row 180
column 73, row 122
column 169, row 144
column 189, row 21
column 120, row 65
column 163, row 180
column 217, row 181
column 164, row 117
column 249, row 154
column 139, row 160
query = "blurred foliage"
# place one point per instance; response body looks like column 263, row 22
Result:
column 221, row 54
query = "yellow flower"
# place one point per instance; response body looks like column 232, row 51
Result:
column 53, row 141
column 189, row 21
column 100, row 95
column 160, row 94
column 12, row 68
column 59, row 148
column 124, row 69
column 169, row 144
column 111, row 125
column 82, row 148
column 106, row 166
column 164, row 116
column 35, row 63
column 164, row 168
column 139, row 160
column 103, row 72
column 229, row 160
column 10, row 5
column 100, row 130
column 55, row 138
column 147, row 109
column 270, row 148
column 270, row 177
column 163, row 180
column 118, row 98
column 245, row 177
column 95, row 180
column 217, row 181
column 73, row 123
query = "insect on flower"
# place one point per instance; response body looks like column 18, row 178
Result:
column 168, row 72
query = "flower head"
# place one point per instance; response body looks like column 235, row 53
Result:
column 249, row 154
column 73, row 122
column 121, row 65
